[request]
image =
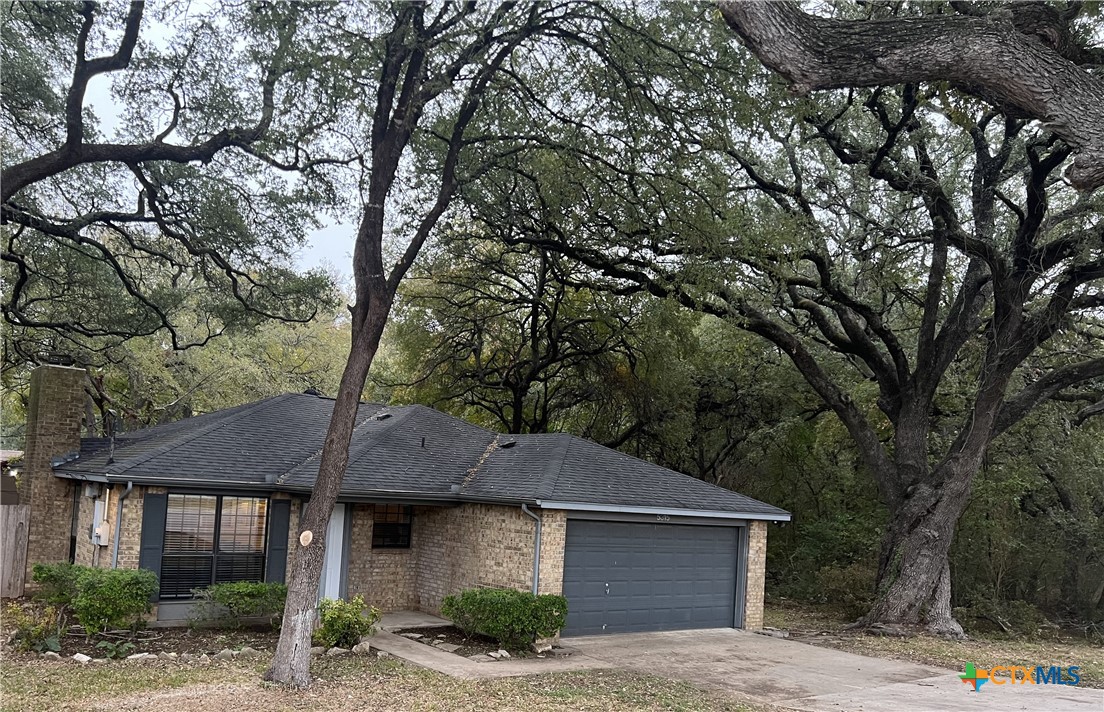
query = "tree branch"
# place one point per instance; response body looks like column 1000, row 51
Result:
column 987, row 56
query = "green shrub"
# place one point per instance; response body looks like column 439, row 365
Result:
column 225, row 604
column 851, row 587
column 36, row 628
column 513, row 618
column 1017, row 618
column 57, row 582
column 344, row 623
column 116, row 649
column 112, row 598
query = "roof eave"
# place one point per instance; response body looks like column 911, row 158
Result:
column 779, row 516
column 190, row 483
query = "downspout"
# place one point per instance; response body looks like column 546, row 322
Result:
column 119, row 525
column 536, row 549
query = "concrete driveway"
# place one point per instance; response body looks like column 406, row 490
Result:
column 798, row 676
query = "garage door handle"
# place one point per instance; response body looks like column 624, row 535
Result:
column 607, row 589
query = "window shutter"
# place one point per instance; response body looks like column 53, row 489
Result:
column 154, row 508
column 279, row 517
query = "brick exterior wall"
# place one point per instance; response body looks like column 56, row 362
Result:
column 553, row 539
column 130, row 539
column 385, row 577
column 756, row 574
column 472, row 546
column 452, row 549
column 84, row 524
column 54, row 418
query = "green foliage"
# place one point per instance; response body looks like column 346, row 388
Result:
column 100, row 599
column 57, row 582
column 236, row 223
column 225, row 604
column 115, row 649
column 989, row 614
column 112, row 598
column 851, row 586
column 344, row 623
column 513, row 618
column 37, row 628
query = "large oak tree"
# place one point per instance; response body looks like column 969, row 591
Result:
column 419, row 77
column 915, row 254
column 128, row 135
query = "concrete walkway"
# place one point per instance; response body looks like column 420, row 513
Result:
column 799, row 676
column 456, row 666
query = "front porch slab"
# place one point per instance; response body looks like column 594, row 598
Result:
column 398, row 620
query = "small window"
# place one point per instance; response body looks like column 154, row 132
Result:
column 391, row 526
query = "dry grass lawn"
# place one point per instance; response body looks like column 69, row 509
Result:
column 348, row 683
column 822, row 625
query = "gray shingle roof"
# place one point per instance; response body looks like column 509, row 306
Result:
column 566, row 469
column 398, row 452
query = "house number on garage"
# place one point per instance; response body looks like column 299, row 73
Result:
column 663, row 517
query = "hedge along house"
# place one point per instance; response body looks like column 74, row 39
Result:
column 430, row 505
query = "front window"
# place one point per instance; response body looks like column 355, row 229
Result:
column 212, row 539
column 391, row 526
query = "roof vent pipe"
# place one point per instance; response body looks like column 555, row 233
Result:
column 536, row 549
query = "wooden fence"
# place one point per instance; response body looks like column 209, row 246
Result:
column 14, row 519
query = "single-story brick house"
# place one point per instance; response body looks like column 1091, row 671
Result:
column 430, row 505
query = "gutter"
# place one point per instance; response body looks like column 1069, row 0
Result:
column 536, row 548
column 780, row 516
column 119, row 525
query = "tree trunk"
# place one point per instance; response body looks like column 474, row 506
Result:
column 291, row 664
column 914, row 577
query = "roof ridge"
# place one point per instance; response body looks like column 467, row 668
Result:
column 280, row 480
column 552, row 470
column 188, row 436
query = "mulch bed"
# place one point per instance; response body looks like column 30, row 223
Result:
column 172, row 640
column 469, row 644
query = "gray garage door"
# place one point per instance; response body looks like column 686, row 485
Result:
column 626, row 577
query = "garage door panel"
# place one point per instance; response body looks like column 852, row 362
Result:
column 660, row 576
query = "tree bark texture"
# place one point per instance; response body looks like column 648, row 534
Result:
column 1021, row 69
column 407, row 83
column 913, row 571
column 291, row 664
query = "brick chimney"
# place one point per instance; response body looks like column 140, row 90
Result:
column 54, row 418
